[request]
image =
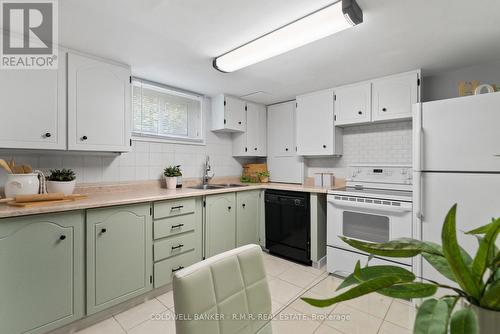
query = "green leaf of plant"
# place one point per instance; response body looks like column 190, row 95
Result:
column 451, row 301
column 395, row 248
column 410, row 290
column 451, row 250
column 432, row 317
column 491, row 297
column 485, row 252
column 482, row 229
column 359, row 290
column 368, row 273
column 357, row 271
column 463, row 322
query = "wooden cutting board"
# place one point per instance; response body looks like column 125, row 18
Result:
column 70, row 198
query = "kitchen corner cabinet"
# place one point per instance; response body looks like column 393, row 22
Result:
column 119, row 255
column 42, row 271
column 281, row 129
column 247, row 217
column 220, row 223
column 228, row 114
column 353, row 104
column 316, row 132
column 99, row 105
column 394, row 96
column 33, row 108
column 252, row 142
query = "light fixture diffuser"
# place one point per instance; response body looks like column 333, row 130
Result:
column 319, row 24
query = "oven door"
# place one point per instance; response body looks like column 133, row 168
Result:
column 368, row 220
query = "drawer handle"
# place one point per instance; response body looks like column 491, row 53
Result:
column 176, row 207
column 177, row 226
column 177, row 269
column 177, row 247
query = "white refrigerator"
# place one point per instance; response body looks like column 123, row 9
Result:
column 456, row 157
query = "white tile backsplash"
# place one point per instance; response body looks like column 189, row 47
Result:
column 146, row 161
column 384, row 143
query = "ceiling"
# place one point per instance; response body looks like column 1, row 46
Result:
column 174, row 41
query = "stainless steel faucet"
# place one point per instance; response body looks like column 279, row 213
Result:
column 207, row 169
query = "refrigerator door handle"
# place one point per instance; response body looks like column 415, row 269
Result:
column 418, row 137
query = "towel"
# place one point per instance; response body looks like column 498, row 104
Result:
column 42, row 189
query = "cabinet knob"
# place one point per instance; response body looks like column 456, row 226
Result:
column 255, row 148
column 62, row 237
column 48, row 135
column 324, row 146
column 239, row 122
column 104, row 230
column 84, row 138
column 229, row 208
column 286, row 149
column 243, row 205
column 360, row 112
column 384, row 109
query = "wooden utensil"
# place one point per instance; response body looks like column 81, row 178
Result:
column 17, row 169
column 39, row 197
column 69, row 198
column 27, row 169
column 5, row 166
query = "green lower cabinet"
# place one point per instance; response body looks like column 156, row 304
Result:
column 247, row 217
column 220, row 223
column 41, row 272
column 119, row 255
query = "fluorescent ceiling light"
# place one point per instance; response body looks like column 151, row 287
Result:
column 319, row 24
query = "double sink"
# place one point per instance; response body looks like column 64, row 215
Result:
column 218, row 186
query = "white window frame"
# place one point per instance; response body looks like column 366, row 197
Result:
column 145, row 137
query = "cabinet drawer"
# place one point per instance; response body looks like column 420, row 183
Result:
column 174, row 246
column 171, row 226
column 164, row 270
column 173, row 208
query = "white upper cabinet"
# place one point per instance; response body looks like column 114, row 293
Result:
column 394, row 96
column 353, row 104
column 281, row 130
column 98, row 105
column 33, row 108
column 384, row 99
column 252, row 142
column 316, row 132
column 228, row 114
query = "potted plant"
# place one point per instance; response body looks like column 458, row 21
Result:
column 263, row 176
column 61, row 181
column 171, row 173
column 478, row 280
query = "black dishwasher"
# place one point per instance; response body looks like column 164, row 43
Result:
column 288, row 225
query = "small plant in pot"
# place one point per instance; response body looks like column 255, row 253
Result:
column 61, row 181
column 477, row 280
column 171, row 173
column 263, row 176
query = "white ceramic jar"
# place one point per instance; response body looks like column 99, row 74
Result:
column 65, row 187
column 21, row 184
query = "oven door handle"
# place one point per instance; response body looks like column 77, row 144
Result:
column 377, row 207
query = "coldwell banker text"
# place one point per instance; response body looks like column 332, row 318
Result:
column 29, row 34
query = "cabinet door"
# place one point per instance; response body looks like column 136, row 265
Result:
column 281, row 129
column 119, row 255
column 247, row 217
column 315, row 124
column 394, row 96
column 98, row 105
column 234, row 114
column 33, row 108
column 353, row 104
column 220, row 223
column 42, row 272
column 261, row 131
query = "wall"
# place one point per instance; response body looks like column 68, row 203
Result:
column 445, row 85
column 145, row 162
column 384, row 143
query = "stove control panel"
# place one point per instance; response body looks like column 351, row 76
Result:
column 380, row 174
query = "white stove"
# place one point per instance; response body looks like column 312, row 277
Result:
column 375, row 206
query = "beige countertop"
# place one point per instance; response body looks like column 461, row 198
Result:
column 138, row 192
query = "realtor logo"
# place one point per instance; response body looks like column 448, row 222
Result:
column 29, row 34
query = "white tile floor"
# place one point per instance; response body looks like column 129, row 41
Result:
column 287, row 281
